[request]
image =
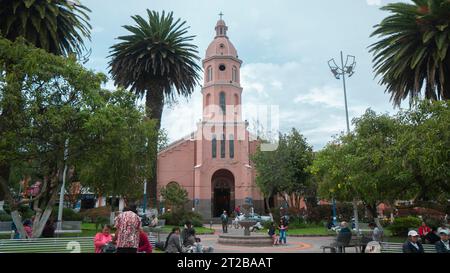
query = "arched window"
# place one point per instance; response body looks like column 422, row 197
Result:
column 214, row 146
column 208, row 99
column 231, row 146
column 236, row 99
column 209, row 73
column 222, row 146
column 234, row 74
column 222, row 102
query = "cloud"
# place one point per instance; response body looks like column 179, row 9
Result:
column 373, row 2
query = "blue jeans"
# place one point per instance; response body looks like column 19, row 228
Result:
column 282, row 236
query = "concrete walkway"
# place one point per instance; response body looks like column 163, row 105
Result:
column 294, row 244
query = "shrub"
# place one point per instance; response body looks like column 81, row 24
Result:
column 5, row 217
column 68, row 214
column 179, row 218
column 402, row 225
column 91, row 215
column 101, row 221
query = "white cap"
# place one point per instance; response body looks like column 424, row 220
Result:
column 413, row 233
column 444, row 231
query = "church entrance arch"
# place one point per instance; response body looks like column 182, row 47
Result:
column 222, row 192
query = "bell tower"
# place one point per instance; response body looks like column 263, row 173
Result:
column 222, row 89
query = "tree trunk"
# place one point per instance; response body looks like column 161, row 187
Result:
column 373, row 211
column 355, row 215
column 154, row 104
column 112, row 214
column 4, row 173
column 37, row 229
column 17, row 219
column 267, row 203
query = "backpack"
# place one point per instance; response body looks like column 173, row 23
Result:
column 109, row 248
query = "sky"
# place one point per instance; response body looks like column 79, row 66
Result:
column 285, row 46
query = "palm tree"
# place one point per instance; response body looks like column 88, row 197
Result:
column 156, row 60
column 412, row 55
column 57, row 26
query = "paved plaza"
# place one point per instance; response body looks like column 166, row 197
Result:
column 294, row 244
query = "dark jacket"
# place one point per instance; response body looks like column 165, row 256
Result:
column 432, row 238
column 440, row 248
column 409, row 248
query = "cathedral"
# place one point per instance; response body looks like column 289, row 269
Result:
column 213, row 163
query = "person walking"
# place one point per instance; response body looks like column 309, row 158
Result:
column 173, row 244
column 412, row 245
column 101, row 239
column 128, row 226
column 224, row 218
column 282, row 229
column 443, row 245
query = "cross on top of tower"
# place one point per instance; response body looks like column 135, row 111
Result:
column 221, row 14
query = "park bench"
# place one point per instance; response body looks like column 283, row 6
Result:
column 387, row 247
column 344, row 241
column 48, row 245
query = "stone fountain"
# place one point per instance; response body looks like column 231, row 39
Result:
column 235, row 237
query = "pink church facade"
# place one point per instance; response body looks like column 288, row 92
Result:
column 213, row 163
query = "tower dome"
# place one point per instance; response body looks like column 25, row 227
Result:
column 221, row 45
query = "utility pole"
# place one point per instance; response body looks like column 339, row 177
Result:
column 347, row 68
column 61, row 193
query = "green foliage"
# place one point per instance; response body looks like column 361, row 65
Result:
column 175, row 196
column 156, row 54
column 285, row 170
column 402, row 225
column 179, row 218
column 56, row 26
column 91, row 215
column 120, row 165
column 5, row 217
column 388, row 158
column 412, row 53
column 68, row 215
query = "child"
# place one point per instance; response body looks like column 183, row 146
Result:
column 282, row 229
column 273, row 234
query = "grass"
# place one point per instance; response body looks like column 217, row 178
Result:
column 198, row 230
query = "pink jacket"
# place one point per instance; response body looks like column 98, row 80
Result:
column 100, row 240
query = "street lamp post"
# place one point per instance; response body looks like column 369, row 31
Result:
column 145, row 196
column 347, row 68
column 61, row 194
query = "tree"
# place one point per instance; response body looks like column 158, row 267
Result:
column 175, row 196
column 156, row 60
column 285, row 170
column 57, row 26
column 389, row 158
column 49, row 100
column 119, row 166
column 423, row 150
column 413, row 50
column 357, row 165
